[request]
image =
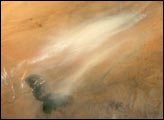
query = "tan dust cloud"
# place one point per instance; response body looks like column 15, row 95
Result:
column 87, row 38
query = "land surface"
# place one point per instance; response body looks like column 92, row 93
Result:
column 127, row 82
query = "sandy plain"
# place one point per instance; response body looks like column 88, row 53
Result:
column 119, row 76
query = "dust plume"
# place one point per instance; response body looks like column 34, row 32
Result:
column 86, row 40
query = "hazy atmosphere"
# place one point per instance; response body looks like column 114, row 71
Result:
column 77, row 59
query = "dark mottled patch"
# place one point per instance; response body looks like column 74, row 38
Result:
column 51, row 101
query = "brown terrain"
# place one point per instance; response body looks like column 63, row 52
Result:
column 107, row 55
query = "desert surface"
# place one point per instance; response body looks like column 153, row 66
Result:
column 106, row 55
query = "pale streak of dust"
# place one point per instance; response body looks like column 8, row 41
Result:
column 84, row 64
column 86, row 39
column 89, row 35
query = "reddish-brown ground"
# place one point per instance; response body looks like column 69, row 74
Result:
column 133, row 88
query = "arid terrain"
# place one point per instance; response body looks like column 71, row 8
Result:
column 108, row 56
